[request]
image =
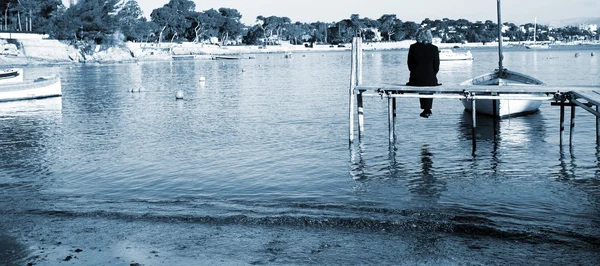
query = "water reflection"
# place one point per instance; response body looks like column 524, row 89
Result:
column 427, row 186
column 25, row 127
column 49, row 108
column 357, row 163
column 516, row 130
column 567, row 168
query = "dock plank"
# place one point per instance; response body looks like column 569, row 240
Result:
column 477, row 89
column 590, row 96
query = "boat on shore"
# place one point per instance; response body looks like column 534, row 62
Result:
column 450, row 55
column 42, row 87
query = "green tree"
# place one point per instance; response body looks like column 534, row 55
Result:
column 130, row 16
column 410, row 30
column 387, row 26
column 272, row 26
column 230, row 25
column 175, row 19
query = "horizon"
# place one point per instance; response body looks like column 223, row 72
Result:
column 307, row 11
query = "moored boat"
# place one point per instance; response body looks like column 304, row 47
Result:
column 42, row 87
column 502, row 77
column 11, row 75
column 538, row 46
column 449, row 55
column 535, row 45
column 226, row 57
column 505, row 108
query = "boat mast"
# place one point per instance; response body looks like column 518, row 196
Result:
column 500, row 56
column 534, row 29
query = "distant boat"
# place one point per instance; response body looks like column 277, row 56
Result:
column 225, row 57
column 449, row 55
column 11, row 75
column 183, row 57
column 536, row 46
column 43, row 87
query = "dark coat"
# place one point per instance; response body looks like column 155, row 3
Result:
column 424, row 64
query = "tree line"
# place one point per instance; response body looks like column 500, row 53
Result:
column 111, row 22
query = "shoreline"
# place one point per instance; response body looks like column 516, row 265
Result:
column 53, row 52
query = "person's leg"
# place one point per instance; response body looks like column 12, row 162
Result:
column 426, row 105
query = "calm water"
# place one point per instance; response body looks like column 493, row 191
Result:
column 264, row 144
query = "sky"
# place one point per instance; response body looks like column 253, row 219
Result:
column 516, row 11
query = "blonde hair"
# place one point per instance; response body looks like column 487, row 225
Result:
column 424, row 36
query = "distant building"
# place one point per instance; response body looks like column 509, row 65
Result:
column 588, row 27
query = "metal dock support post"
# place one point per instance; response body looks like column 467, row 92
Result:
column 358, row 82
column 495, row 120
column 391, row 120
column 355, row 80
column 598, row 127
column 351, row 93
column 361, row 114
column 572, row 126
column 474, row 117
column 562, row 120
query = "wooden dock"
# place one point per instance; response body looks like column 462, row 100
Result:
column 586, row 97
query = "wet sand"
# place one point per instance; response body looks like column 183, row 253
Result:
column 97, row 239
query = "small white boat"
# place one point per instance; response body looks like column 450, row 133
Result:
column 43, row 87
column 538, row 46
column 535, row 45
column 449, row 55
column 505, row 108
column 11, row 75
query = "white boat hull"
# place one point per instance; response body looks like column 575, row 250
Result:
column 449, row 55
column 504, row 108
column 43, row 87
column 11, row 76
column 538, row 47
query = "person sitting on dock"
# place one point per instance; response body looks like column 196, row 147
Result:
column 423, row 64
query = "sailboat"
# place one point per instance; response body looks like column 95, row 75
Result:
column 502, row 77
column 535, row 45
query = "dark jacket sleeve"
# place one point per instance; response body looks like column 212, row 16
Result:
column 436, row 60
column 411, row 61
